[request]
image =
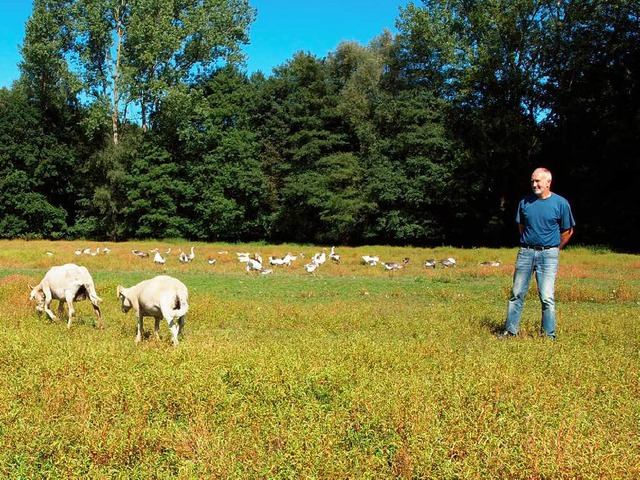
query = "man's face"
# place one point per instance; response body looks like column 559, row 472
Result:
column 540, row 183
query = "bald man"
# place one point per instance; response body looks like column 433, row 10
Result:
column 546, row 224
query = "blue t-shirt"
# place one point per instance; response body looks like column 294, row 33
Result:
column 544, row 219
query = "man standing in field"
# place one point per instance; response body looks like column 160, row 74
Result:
column 546, row 224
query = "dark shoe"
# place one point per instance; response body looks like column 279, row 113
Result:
column 505, row 334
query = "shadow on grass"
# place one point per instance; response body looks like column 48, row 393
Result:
column 490, row 323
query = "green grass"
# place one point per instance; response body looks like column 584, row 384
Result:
column 350, row 373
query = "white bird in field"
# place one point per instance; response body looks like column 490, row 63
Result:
column 50, row 253
column 183, row 257
column 78, row 252
column 266, row 271
column 370, row 260
column 106, row 250
column 192, row 255
column 211, row 261
column 320, row 258
column 276, row 261
column 431, row 263
column 491, row 263
column 243, row 257
column 334, row 256
column 311, row 267
column 448, row 262
column 392, row 266
column 253, row 264
column 140, row 253
column 157, row 258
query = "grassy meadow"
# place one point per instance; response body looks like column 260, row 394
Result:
column 351, row 372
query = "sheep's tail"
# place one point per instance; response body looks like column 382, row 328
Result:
column 181, row 305
column 84, row 291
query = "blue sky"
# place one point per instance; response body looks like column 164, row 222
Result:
column 282, row 28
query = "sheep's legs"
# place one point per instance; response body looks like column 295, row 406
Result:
column 157, row 328
column 175, row 329
column 60, row 308
column 96, row 310
column 181, row 325
column 140, row 329
column 69, row 297
column 47, row 304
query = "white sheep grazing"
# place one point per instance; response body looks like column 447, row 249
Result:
column 66, row 283
column 160, row 297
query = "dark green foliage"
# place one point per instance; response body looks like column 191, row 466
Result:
column 593, row 131
column 411, row 176
column 230, row 191
column 36, row 170
column 299, row 128
column 327, row 203
column 25, row 213
column 209, row 134
column 154, row 189
column 427, row 137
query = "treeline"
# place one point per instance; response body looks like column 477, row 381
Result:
column 427, row 137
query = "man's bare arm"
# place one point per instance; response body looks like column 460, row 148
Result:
column 564, row 237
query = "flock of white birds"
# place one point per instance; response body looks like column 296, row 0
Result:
column 254, row 263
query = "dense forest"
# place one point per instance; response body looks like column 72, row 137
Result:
column 136, row 119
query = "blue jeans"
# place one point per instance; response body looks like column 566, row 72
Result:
column 544, row 263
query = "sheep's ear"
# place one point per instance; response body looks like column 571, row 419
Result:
column 119, row 291
column 30, row 287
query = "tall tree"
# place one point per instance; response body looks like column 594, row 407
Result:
column 208, row 130
column 33, row 171
column 593, row 130
column 155, row 189
column 44, row 70
column 132, row 51
column 485, row 59
column 405, row 153
column 301, row 130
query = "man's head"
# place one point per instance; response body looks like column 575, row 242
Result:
column 541, row 182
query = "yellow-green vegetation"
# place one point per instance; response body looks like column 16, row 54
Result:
column 351, row 372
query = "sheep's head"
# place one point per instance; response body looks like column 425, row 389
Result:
column 125, row 303
column 37, row 296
